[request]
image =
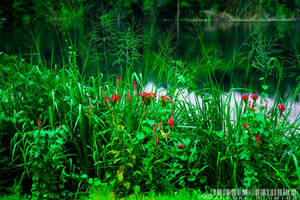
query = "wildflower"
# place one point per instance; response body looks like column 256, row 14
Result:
column 135, row 88
column 257, row 139
column 268, row 117
column 180, row 146
column 114, row 98
column 90, row 107
column 249, row 105
column 159, row 125
column 103, row 92
column 245, row 125
column 128, row 97
column 156, row 140
column 39, row 123
column 118, row 81
column 266, row 106
column 147, row 97
column 254, row 97
column 281, row 108
column 171, row 121
column 245, row 97
column 252, row 108
column 164, row 99
column 154, row 129
column 106, row 101
column 56, row 126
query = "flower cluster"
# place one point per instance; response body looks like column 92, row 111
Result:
column 164, row 100
column 114, row 98
column 147, row 97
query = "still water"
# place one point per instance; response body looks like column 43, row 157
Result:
column 238, row 53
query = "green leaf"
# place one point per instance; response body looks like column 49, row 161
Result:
column 220, row 133
column 191, row 178
column 83, row 176
column 140, row 136
column 90, row 181
column 203, row 179
column 265, row 87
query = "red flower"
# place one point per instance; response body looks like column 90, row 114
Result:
column 106, row 101
column 103, row 92
column 245, row 97
column 90, row 107
column 147, row 97
column 39, row 123
column 118, row 81
column 56, row 126
column 257, row 139
column 154, row 129
column 266, row 106
column 128, row 97
column 268, row 117
column 114, row 99
column 156, row 140
column 159, row 125
column 164, row 99
column 245, row 125
column 180, row 146
column 135, row 88
column 171, row 122
column 254, row 97
column 281, row 108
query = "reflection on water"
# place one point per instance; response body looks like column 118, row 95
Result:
column 184, row 95
column 238, row 53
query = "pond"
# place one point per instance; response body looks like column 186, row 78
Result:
column 238, row 54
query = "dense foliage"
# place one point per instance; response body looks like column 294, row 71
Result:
column 66, row 132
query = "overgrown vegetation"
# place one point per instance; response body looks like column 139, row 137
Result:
column 91, row 120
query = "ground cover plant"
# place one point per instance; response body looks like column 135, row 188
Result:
column 61, row 134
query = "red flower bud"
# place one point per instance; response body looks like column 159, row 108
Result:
column 159, row 125
column 164, row 99
column 128, row 97
column 245, row 97
column 106, row 101
column 266, row 106
column 245, row 125
column 281, row 108
column 90, row 107
column 156, row 140
column 257, row 139
column 135, row 88
column 114, row 99
column 154, row 129
column 39, row 123
column 56, row 126
column 118, row 81
column 171, row 122
column 147, row 97
column 254, row 97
